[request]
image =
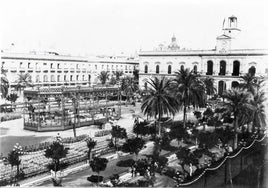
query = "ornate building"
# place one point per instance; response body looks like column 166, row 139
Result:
column 50, row 69
column 224, row 63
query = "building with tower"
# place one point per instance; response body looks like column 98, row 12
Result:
column 225, row 63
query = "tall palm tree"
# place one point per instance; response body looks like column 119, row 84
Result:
column 249, row 82
column 4, row 83
column 103, row 77
column 189, row 89
column 24, row 80
column 209, row 86
column 159, row 100
column 237, row 102
column 258, row 114
column 129, row 86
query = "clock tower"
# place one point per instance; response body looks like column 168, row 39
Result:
column 229, row 33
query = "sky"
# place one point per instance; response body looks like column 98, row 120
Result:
column 113, row 27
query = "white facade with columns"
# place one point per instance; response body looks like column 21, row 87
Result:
column 228, row 64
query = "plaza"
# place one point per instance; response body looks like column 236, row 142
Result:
column 92, row 95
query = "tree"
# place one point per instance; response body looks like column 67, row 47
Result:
column 159, row 101
column 24, row 80
column 127, row 163
column 118, row 75
column 249, row 82
column 56, row 151
column 4, row 83
column 113, row 81
column 189, row 89
column 186, row 157
column 75, row 102
column 103, row 77
column 118, row 133
column 236, row 103
column 13, row 159
column 209, row 86
column 98, row 165
column 141, row 128
column 136, row 74
column 133, row 145
column 258, row 114
column 90, row 145
column 129, row 86
column 12, row 97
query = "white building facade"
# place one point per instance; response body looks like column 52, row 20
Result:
column 50, row 69
column 225, row 64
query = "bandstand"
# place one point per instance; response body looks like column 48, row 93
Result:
column 56, row 109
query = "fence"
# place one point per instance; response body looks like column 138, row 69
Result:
column 228, row 168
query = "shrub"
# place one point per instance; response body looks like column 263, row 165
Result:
column 10, row 116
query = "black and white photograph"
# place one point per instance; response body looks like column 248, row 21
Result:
column 134, row 93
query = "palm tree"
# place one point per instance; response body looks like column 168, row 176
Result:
column 249, row 82
column 129, row 86
column 118, row 133
column 189, row 89
column 23, row 81
column 118, row 74
column 90, row 145
column 13, row 159
column 209, row 86
column 258, row 114
column 4, row 83
column 159, row 101
column 12, row 97
column 103, row 77
column 237, row 102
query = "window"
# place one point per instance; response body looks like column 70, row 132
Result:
column 195, row 69
column 45, row 78
column 77, row 77
column 71, row 78
column 222, row 68
column 83, row 77
column 252, row 70
column 126, row 67
column 58, row 66
column 77, row 66
column 236, row 68
column 52, row 78
column 209, row 67
column 96, row 67
column 157, row 69
column 51, row 65
column 58, row 79
column 29, row 65
column 146, row 69
column 64, row 78
column 169, row 69
column 37, row 79
column 102, row 67
column 20, row 64
column 182, row 67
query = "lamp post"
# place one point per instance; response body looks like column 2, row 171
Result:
column 119, row 98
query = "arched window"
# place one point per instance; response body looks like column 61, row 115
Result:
column 209, row 67
column 37, row 78
column 236, row 68
column 195, row 69
column 157, row 69
column 89, row 78
column 45, row 78
column 146, row 69
column 221, row 87
column 222, row 68
column 252, row 70
column 169, row 69
column 182, row 67
column 235, row 84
